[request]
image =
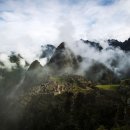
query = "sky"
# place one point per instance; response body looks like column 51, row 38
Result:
column 25, row 25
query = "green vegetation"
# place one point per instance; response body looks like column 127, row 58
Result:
column 108, row 87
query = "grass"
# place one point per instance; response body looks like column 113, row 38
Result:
column 76, row 89
column 108, row 87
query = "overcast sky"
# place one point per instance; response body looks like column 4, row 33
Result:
column 25, row 25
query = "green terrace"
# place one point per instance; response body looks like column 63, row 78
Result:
column 108, row 87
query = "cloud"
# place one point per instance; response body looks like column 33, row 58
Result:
column 113, row 58
column 107, row 2
column 28, row 24
column 7, row 64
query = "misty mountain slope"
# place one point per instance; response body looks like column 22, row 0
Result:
column 10, row 79
column 125, row 46
column 99, row 73
column 95, row 45
column 35, row 65
column 12, row 70
column 35, row 75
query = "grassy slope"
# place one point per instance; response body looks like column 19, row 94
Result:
column 108, row 87
column 124, row 82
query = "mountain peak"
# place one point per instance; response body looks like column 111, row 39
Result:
column 63, row 58
column 35, row 64
column 61, row 46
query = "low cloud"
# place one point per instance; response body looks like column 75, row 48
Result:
column 113, row 58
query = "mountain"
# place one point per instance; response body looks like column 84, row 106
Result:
column 101, row 74
column 95, row 45
column 63, row 59
column 125, row 46
column 33, row 76
column 35, row 65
